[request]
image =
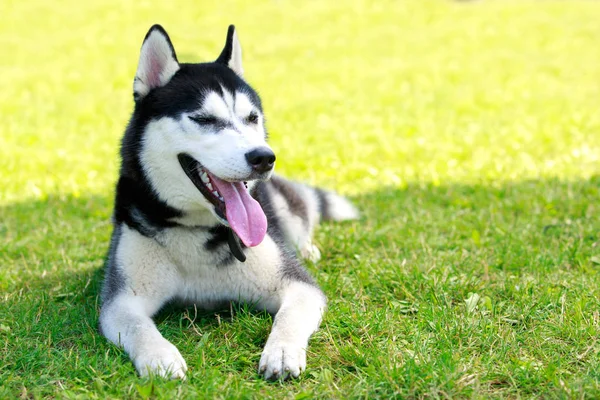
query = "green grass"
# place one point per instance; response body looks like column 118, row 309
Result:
column 467, row 133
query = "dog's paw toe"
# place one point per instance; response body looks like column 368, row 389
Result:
column 311, row 253
column 282, row 361
column 162, row 360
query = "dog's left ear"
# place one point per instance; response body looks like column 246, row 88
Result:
column 158, row 62
column 232, row 52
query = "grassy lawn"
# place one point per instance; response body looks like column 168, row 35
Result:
column 467, row 132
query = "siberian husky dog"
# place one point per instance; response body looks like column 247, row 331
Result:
column 199, row 217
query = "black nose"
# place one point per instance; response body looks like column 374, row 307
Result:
column 261, row 159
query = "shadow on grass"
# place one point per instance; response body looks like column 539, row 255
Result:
column 52, row 252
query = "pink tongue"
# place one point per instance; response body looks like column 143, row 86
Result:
column 244, row 214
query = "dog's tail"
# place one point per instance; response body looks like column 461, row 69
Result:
column 334, row 207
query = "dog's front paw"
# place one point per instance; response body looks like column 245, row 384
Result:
column 162, row 359
column 281, row 360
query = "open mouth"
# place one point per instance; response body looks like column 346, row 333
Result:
column 231, row 201
column 202, row 180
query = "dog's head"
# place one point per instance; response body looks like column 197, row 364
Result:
column 201, row 134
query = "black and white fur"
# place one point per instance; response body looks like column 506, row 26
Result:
column 170, row 242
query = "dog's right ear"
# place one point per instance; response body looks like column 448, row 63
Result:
column 158, row 62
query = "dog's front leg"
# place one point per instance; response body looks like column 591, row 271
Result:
column 300, row 313
column 127, row 321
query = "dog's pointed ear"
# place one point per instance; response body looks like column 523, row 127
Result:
column 158, row 62
column 232, row 52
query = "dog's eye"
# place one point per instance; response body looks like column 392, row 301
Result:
column 252, row 118
column 204, row 119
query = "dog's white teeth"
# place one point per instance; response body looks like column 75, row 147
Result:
column 204, row 177
column 216, row 193
column 208, row 185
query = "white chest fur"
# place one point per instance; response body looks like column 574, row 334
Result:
column 177, row 265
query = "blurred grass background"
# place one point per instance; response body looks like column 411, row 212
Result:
column 359, row 95
column 467, row 132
